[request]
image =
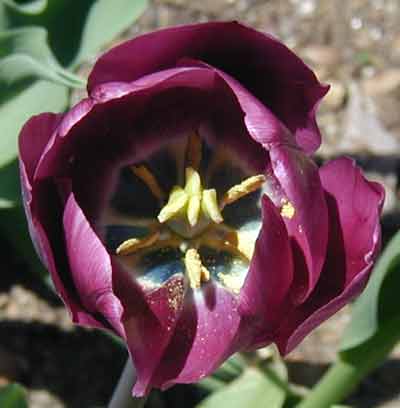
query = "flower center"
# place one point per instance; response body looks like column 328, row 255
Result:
column 191, row 217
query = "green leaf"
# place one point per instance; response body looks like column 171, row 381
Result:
column 31, row 7
column 251, row 390
column 25, row 53
column 9, row 186
column 379, row 302
column 12, row 396
column 104, row 22
column 42, row 96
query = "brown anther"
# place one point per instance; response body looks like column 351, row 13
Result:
column 148, row 178
column 193, row 152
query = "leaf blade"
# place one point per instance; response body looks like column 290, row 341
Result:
column 104, row 23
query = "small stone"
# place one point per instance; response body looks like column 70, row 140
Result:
column 43, row 399
column 383, row 83
column 363, row 131
column 322, row 55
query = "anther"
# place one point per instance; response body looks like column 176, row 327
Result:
column 196, row 271
column 247, row 186
column 151, row 182
column 193, row 153
column 132, row 245
column 287, row 209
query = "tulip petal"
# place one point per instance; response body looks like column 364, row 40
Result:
column 205, row 335
column 263, row 296
column 273, row 73
column 301, row 186
column 149, row 320
column 33, row 138
column 90, row 266
column 354, row 239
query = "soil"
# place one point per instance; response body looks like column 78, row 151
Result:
column 355, row 46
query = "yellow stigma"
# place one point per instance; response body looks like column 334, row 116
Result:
column 287, row 209
column 130, row 246
column 247, row 186
column 193, row 190
column 209, row 205
column 148, row 178
column 196, row 271
column 176, row 203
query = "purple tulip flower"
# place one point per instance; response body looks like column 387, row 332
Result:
column 178, row 206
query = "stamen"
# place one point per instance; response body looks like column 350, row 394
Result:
column 210, row 207
column 242, row 242
column 176, row 202
column 287, row 209
column 196, row 271
column 193, row 154
column 233, row 282
column 134, row 244
column 245, row 187
column 151, row 182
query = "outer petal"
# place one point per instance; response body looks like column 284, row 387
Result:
column 354, row 238
column 300, row 183
column 204, row 337
column 272, row 72
column 149, row 320
column 90, row 267
column 263, row 297
column 33, row 138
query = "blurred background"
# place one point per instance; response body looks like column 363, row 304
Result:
column 353, row 45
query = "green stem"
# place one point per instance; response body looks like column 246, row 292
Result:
column 353, row 365
column 122, row 396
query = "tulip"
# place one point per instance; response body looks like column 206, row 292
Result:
column 178, row 205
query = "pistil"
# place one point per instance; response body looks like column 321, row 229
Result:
column 194, row 218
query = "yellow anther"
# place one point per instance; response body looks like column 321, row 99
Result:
column 287, row 209
column 193, row 153
column 233, row 282
column 209, row 205
column 226, row 239
column 245, row 187
column 134, row 244
column 151, row 182
column 176, row 202
column 196, row 271
column 242, row 241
